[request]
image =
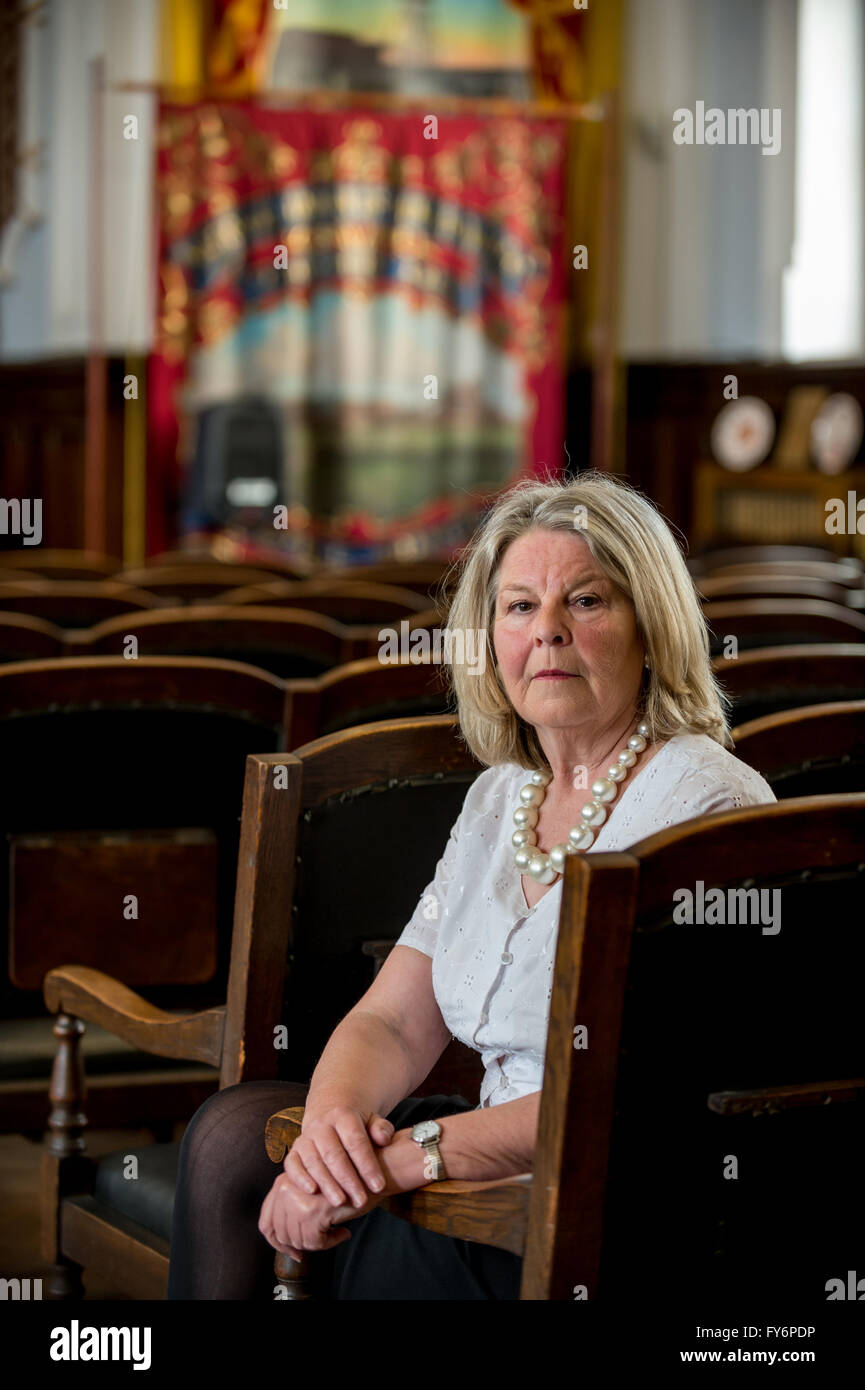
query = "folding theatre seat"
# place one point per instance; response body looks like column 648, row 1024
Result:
column 119, row 806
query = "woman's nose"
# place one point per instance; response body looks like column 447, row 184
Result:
column 551, row 626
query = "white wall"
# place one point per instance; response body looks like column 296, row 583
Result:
column 824, row 301
column 44, row 304
column 708, row 229
column 707, row 243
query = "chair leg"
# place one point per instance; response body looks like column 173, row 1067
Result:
column 64, row 1282
column 65, row 1165
column 293, row 1277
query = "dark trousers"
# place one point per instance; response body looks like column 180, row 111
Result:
column 224, row 1174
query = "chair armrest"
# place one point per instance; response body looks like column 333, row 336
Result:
column 492, row 1213
column 770, row 1100
column 96, row 997
column 281, row 1131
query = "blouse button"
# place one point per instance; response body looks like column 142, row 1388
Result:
column 506, row 957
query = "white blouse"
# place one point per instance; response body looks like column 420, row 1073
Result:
column 492, row 954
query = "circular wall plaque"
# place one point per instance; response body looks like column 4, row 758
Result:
column 836, row 433
column 743, row 433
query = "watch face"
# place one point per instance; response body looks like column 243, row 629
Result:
column 427, row 1129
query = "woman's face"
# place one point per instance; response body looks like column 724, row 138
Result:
column 555, row 608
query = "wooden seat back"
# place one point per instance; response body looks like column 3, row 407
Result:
column 286, row 642
column 628, row 1190
column 814, row 751
column 208, row 557
column 727, row 588
column 73, row 603
column 340, row 839
column 846, row 572
column 23, row 638
column 190, row 583
column 424, row 576
column 348, row 602
column 765, row 680
column 783, row 557
column 60, row 564
column 361, row 692
column 120, row 853
column 781, row 622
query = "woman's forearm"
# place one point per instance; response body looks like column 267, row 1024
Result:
column 365, row 1064
column 476, row 1146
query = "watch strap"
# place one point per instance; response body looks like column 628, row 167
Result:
column 431, row 1147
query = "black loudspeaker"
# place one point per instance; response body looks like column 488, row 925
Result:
column 236, row 474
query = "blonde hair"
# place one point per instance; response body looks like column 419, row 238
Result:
column 636, row 549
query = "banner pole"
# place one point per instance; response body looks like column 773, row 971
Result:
column 96, row 385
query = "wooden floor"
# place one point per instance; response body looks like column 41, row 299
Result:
column 20, row 1161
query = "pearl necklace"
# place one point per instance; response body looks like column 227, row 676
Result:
column 544, row 868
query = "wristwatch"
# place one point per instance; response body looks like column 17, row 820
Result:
column 427, row 1134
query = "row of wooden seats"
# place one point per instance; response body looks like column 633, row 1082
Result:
column 95, row 565
column 624, row 1192
column 78, row 1214
column 181, row 575
column 714, row 558
column 75, row 603
column 291, row 642
column 125, row 727
column 421, row 576
column 288, row 642
column 81, row 603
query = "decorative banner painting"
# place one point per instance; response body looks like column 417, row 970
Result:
column 395, row 301
column 478, row 49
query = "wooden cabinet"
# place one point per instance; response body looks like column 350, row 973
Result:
column 769, row 506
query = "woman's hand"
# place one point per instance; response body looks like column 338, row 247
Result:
column 333, row 1156
column 293, row 1221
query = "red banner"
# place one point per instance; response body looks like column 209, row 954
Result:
column 392, row 282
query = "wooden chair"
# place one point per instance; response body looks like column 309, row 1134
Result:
column 28, row 639
column 297, row 957
column 783, row 556
column 93, row 809
column 288, row 642
column 74, row 603
column 807, row 752
column 780, row 622
column 360, row 692
column 348, row 602
column 766, row 680
column 190, row 583
column 60, row 564
column 690, row 1032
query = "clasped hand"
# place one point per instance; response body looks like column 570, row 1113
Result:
column 331, row 1175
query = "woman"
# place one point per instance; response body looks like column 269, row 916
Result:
column 600, row 722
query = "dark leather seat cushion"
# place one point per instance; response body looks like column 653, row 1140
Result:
column 147, row 1198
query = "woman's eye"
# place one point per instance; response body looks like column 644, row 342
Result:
column 585, row 599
